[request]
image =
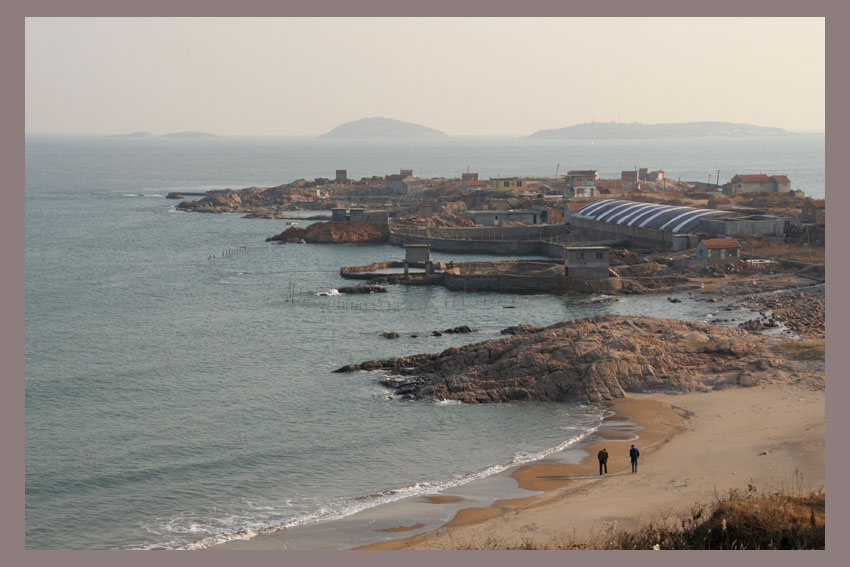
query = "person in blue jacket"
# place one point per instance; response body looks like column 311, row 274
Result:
column 634, row 454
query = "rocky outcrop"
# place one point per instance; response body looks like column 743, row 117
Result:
column 332, row 233
column 588, row 360
column 355, row 289
column 223, row 201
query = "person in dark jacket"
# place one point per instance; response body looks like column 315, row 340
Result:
column 603, row 460
column 634, row 454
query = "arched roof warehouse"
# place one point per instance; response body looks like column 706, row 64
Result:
column 676, row 219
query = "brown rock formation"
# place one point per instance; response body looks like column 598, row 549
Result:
column 588, row 360
column 332, row 233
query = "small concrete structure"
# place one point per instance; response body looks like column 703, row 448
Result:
column 586, row 262
column 357, row 215
column 339, row 215
column 720, row 203
column 418, row 254
column 341, row 175
column 718, row 251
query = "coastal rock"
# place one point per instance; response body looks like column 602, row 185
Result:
column 460, row 329
column 333, row 233
column 355, row 289
column 523, row 329
column 587, row 360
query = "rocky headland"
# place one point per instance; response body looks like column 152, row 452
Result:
column 594, row 360
column 332, row 233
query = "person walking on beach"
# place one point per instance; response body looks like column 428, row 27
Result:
column 634, row 454
column 603, row 460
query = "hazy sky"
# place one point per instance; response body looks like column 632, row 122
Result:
column 465, row 76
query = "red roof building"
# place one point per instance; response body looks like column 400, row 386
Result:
column 758, row 183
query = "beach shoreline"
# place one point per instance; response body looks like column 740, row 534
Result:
column 694, row 448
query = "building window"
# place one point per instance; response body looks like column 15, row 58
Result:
column 733, row 252
column 507, row 184
column 580, row 255
column 715, row 253
column 599, row 255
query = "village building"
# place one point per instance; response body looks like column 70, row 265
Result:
column 657, row 175
column 474, row 185
column 507, row 184
column 581, row 191
column 586, row 262
column 469, row 177
column 718, row 251
column 758, row 183
column 814, row 211
column 403, row 182
column 341, row 175
column 581, row 177
column 630, row 176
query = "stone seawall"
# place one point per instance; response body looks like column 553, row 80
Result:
column 509, row 241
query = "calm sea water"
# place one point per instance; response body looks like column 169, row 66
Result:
column 173, row 399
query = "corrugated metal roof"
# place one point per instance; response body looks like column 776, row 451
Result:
column 676, row 219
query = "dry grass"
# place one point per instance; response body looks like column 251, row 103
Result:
column 811, row 254
column 739, row 521
column 785, row 519
column 803, row 350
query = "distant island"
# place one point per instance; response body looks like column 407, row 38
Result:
column 615, row 130
column 181, row 135
column 191, row 135
column 378, row 128
column 133, row 135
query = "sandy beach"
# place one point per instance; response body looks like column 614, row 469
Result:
column 694, row 447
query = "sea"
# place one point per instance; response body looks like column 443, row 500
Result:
column 180, row 390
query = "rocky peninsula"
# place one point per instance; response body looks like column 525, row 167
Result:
column 332, row 233
column 591, row 360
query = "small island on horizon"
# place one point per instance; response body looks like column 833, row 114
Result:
column 378, row 128
column 619, row 130
column 179, row 135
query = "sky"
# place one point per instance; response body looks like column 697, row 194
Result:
column 464, row 76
